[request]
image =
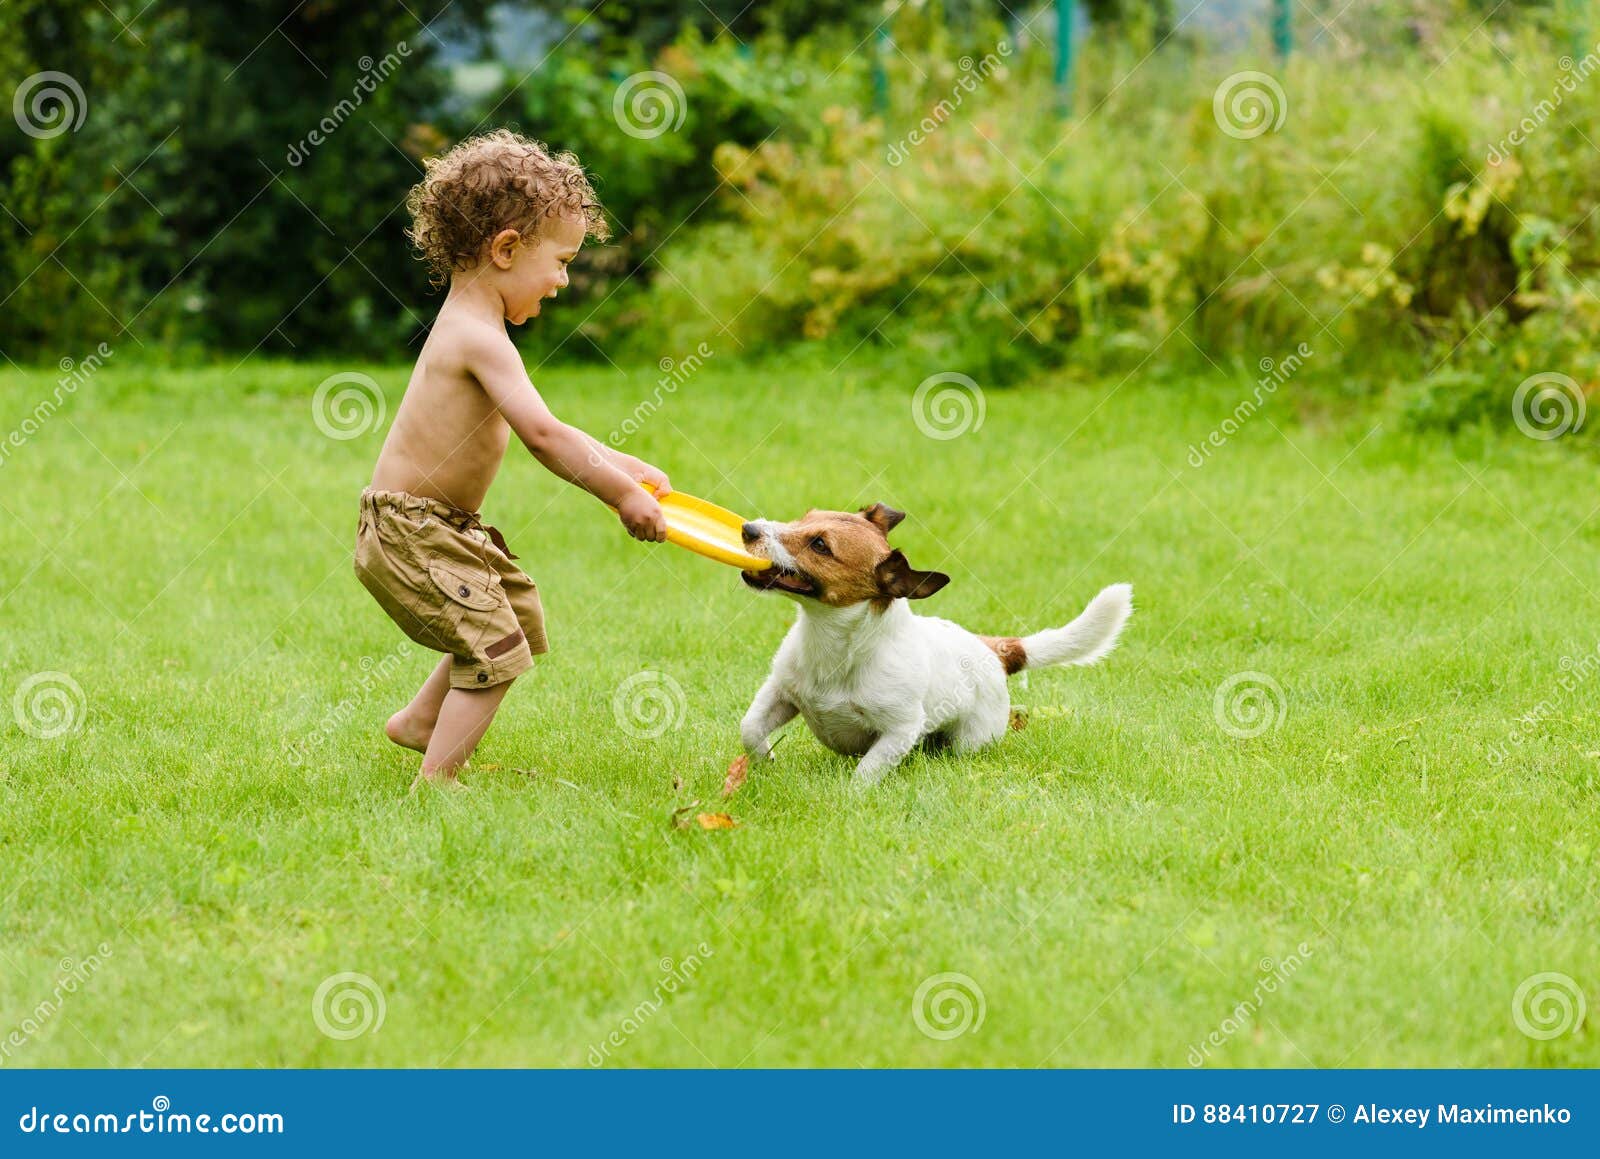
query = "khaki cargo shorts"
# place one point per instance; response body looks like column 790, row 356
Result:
column 449, row 583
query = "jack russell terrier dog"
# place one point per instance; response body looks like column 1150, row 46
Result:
column 872, row 678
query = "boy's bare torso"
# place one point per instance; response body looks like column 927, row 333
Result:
column 448, row 438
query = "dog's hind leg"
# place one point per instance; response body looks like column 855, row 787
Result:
column 981, row 727
column 769, row 711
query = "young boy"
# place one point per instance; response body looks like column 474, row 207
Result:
column 497, row 218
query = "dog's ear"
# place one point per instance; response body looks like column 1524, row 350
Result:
column 886, row 518
column 898, row 580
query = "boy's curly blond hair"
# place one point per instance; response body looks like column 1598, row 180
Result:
column 495, row 181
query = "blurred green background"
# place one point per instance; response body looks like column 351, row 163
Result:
column 1407, row 186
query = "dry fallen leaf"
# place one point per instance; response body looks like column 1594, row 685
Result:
column 1019, row 719
column 715, row 821
column 677, row 782
column 678, row 820
column 738, row 770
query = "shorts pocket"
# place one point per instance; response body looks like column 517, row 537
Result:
column 460, row 589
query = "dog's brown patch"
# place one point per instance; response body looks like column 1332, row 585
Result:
column 1013, row 657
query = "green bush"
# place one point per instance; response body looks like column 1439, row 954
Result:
column 1372, row 224
column 177, row 213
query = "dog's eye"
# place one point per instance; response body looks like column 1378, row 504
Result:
column 820, row 546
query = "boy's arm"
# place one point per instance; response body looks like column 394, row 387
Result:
column 562, row 449
column 635, row 468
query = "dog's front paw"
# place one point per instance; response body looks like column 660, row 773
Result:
column 868, row 775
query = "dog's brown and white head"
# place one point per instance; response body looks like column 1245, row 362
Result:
column 837, row 558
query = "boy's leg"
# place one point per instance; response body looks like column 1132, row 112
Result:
column 413, row 725
column 463, row 719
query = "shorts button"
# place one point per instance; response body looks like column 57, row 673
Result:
column 483, row 678
column 463, row 590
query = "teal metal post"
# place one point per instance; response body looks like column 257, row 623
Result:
column 880, row 73
column 1066, row 17
column 1282, row 28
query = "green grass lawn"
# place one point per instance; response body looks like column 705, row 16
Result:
column 1366, row 882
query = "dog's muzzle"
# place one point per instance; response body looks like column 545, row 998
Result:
column 776, row 578
column 779, row 579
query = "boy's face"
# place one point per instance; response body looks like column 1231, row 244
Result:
column 538, row 268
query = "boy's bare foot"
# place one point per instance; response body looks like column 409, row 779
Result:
column 438, row 780
column 408, row 733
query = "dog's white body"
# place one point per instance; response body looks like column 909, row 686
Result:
column 875, row 683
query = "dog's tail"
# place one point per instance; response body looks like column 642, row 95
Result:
column 1085, row 640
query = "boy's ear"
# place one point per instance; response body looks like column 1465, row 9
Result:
column 503, row 247
column 898, row 580
column 887, row 518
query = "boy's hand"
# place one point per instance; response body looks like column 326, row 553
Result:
column 643, row 472
column 641, row 515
